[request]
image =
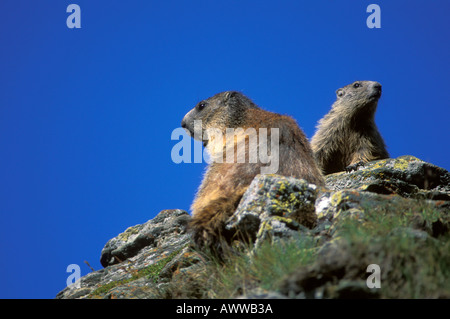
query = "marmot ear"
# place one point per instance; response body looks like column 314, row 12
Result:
column 230, row 94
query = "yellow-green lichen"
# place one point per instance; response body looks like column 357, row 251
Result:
column 282, row 186
column 379, row 164
column 263, row 228
column 403, row 163
column 151, row 272
column 338, row 197
column 129, row 232
column 285, row 220
column 288, row 221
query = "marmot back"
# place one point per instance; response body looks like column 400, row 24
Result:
column 348, row 135
column 226, row 181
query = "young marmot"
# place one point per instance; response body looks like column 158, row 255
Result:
column 228, row 176
column 347, row 136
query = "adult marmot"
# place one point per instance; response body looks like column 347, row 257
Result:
column 229, row 175
column 347, row 136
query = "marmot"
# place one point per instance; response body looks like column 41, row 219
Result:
column 225, row 182
column 347, row 136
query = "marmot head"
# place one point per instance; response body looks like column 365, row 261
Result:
column 359, row 95
column 221, row 111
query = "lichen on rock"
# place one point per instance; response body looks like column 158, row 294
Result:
column 406, row 176
column 274, row 207
column 391, row 212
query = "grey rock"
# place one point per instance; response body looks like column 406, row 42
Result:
column 274, row 207
column 167, row 226
column 136, row 271
column 406, row 176
column 259, row 293
column 147, row 260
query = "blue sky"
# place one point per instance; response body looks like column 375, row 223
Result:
column 86, row 115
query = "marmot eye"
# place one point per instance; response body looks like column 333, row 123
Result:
column 201, row 106
column 356, row 85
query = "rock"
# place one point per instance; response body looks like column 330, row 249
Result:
column 352, row 289
column 406, row 176
column 167, row 228
column 259, row 293
column 404, row 229
column 392, row 212
column 139, row 260
column 275, row 207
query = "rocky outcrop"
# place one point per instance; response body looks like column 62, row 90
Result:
column 275, row 207
column 166, row 232
column 406, row 176
column 394, row 213
column 137, row 260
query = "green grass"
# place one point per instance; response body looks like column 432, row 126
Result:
column 243, row 271
column 399, row 236
column 266, row 268
column 151, row 272
column 414, row 257
column 409, row 240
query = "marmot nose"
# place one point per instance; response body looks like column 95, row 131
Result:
column 377, row 86
column 183, row 123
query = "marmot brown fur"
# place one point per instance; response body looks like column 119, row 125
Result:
column 225, row 182
column 347, row 135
